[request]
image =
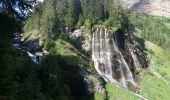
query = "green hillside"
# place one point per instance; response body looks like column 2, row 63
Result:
column 64, row 29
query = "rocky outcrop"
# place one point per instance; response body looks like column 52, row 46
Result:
column 81, row 38
column 31, row 41
column 36, row 56
column 117, row 58
column 76, row 33
column 151, row 7
column 130, row 3
column 133, row 50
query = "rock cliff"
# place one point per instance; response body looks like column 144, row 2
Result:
column 151, row 7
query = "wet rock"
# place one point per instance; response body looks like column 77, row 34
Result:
column 33, row 45
column 16, row 38
column 37, row 57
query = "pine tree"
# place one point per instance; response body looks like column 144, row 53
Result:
column 48, row 20
column 8, row 7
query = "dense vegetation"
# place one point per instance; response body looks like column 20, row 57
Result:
column 54, row 17
column 54, row 78
column 17, row 72
column 58, row 76
column 153, row 28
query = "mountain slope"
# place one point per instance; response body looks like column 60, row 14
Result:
column 151, row 7
column 155, row 79
column 65, row 64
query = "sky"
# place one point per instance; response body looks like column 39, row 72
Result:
column 16, row 8
column 41, row 0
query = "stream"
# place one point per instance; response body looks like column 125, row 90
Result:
column 36, row 57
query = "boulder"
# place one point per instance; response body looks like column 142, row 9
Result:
column 77, row 33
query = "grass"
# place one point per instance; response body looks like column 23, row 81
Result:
column 154, row 88
column 115, row 93
column 99, row 96
column 155, row 79
column 68, row 53
column 31, row 36
column 153, row 28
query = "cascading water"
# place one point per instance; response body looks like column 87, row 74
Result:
column 101, row 56
column 37, row 57
column 109, row 61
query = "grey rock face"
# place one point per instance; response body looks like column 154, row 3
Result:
column 151, row 7
column 77, row 33
column 130, row 3
column 82, row 39
column 86, row 45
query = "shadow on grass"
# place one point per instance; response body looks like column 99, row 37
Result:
column 69, row 81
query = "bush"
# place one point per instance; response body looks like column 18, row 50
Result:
column 87, row 24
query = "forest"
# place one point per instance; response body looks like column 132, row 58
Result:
column 68, row 70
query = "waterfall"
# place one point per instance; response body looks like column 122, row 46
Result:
column 32, row 56
column 109, row 61
column 37, row 57
column 101, row 55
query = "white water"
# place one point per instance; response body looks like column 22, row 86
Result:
column 37, row 57
column 104, row 51
column 101, row 56
column 33, row 57
column 105, row 54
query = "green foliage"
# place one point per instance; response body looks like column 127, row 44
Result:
column 155, row 80
column 68, row 53
column 154, row 29
column 9, row 7
column 65, row 62
column 52, row 79
column 19, row 77
column 81, row 20
column 33, row 23
column 99, row 96
column 8, row 25
column 115, row 93
column 26, row 84
column 58, row 14
column 93, row 10
column 48, row 19
column 49, row 44
column 87, row 23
